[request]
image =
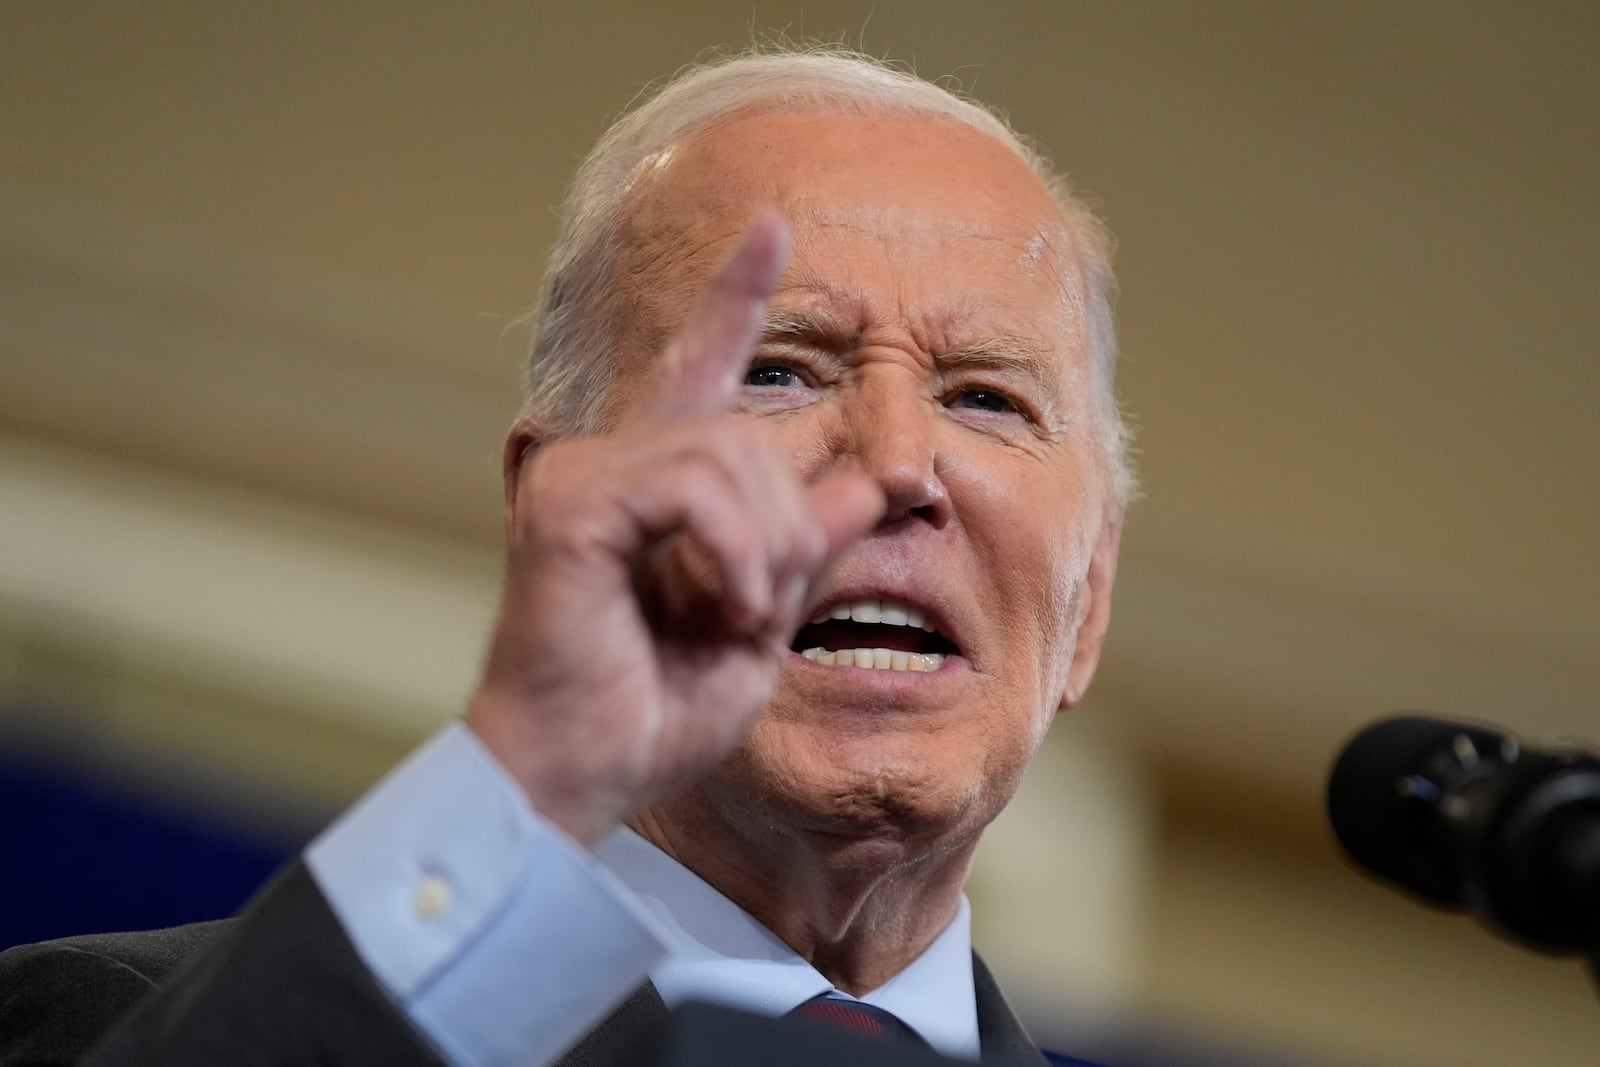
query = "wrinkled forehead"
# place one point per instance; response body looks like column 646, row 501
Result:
column 926, row 190
column 920, row 236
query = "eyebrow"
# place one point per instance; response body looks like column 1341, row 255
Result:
column 813, row 326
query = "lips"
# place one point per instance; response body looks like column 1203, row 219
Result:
column 875, row 633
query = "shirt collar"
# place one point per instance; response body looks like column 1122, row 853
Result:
column 716, row 951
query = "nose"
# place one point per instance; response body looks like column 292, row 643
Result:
column 893, row 436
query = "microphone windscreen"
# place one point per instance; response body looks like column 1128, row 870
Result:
column 1378, row 796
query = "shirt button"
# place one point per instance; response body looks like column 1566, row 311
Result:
column 432, row 896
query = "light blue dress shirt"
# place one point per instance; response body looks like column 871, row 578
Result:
column 718, row 952
column 505, row 942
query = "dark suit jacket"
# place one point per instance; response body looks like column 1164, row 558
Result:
column 283, row 985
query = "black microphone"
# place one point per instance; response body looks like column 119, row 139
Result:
column 1465, row 816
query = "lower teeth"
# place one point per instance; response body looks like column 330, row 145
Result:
column 876, row 659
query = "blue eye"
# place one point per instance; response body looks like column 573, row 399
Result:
column 771, row 376
column 983, row 400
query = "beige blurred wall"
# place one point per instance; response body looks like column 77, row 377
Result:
column 260, row 268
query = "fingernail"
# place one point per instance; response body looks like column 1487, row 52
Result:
column 758, row 602
column 794, row 597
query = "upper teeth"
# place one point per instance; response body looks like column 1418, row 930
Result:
column 883, row 611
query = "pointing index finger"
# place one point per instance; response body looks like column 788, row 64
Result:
column 700, row 370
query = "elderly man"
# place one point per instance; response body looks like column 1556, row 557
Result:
column 813, row 518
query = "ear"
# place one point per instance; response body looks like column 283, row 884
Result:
column 1095, row 612
column 522, row 440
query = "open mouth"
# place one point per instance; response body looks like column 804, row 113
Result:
column 874, row 634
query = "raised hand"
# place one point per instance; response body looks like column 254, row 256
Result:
column 656, row 574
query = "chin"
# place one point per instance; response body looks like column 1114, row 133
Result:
column 883, row 787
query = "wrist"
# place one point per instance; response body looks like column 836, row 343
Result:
column 583, row 802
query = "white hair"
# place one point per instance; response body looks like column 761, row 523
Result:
column 575, row 329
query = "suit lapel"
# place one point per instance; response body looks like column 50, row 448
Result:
column 1001, row 1038
column 630, row 1032
column 627, row 1035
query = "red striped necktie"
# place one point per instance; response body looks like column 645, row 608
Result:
column 847, row 1013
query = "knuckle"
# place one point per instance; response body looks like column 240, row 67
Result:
column 810, row 543
column 565, row 492
column 552, row 483
column 728, row 440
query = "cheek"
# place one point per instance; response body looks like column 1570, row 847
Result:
column 1028, row 530
column 1049, row 602
column 1067, row 557
column 1028, row 521
column 812, row 437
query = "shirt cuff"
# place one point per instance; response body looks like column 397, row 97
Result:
column 502, row 939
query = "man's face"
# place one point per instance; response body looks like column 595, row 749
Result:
column 927, row 328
